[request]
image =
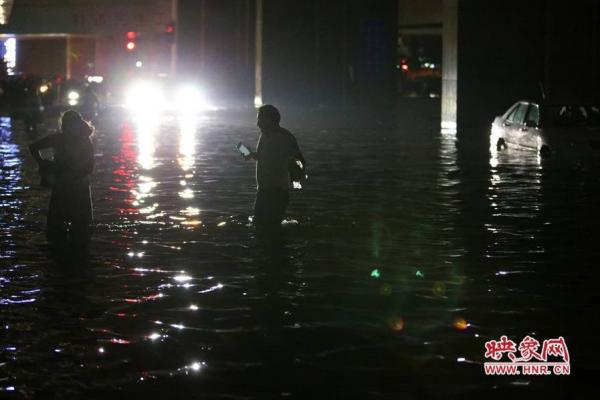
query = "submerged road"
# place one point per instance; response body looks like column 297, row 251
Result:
column 404, row 254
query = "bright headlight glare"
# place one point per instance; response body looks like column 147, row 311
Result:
column 145, row 96
column 73, row 96
column 189, row 98
column 95, row 79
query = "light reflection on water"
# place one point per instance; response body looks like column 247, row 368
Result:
column 10, row 181
column 404, row 260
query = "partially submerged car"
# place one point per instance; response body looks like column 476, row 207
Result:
column 548, row 128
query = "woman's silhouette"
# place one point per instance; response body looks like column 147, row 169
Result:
column 67, row 173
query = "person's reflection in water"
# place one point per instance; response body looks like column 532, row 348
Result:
column 273, row 311
column 71, row 277
column 66, row 315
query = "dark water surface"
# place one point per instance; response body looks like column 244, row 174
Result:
column 400, row 259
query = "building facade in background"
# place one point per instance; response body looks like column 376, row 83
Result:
column 76, row 39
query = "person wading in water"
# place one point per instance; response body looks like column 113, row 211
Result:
column 68, row 174
column 276, row 150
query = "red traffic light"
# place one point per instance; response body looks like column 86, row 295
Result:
column 130, row 44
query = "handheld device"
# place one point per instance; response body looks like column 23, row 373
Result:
column 243, row 149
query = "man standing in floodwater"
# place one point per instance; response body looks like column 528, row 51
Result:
column 276, row 151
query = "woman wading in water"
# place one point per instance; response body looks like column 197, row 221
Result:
column 70, row 210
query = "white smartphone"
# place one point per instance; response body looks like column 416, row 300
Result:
column 243, row 149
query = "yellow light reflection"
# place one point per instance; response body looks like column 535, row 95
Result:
column 193, row 222
column 148, row 210
column 144, row 190
column 186, row 194
column 460, row 323
column 196, row 366
column 187, row 141
column 146, row 184
column 396, row 323
column 147, row 126
column 154, row 336
column 190, row 211
column 182, row 278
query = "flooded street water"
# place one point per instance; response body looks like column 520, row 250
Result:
column 402, row 256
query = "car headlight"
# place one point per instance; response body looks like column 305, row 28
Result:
column 189, row 99
column 144, row 96
column 73, row 98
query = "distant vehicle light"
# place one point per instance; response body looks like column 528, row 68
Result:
column 189, row 99
column 44, row 88
column 145, row 97
column 73, row 98
column 95, row 79
column 139, row 64
column 404, row 67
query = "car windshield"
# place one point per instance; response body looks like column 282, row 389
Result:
column 567, row 115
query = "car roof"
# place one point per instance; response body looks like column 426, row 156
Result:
column 569, row 105
column 556, row 104
column 525, row 101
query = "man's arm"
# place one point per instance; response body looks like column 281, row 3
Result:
column 254, row 154
column 297, row 154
